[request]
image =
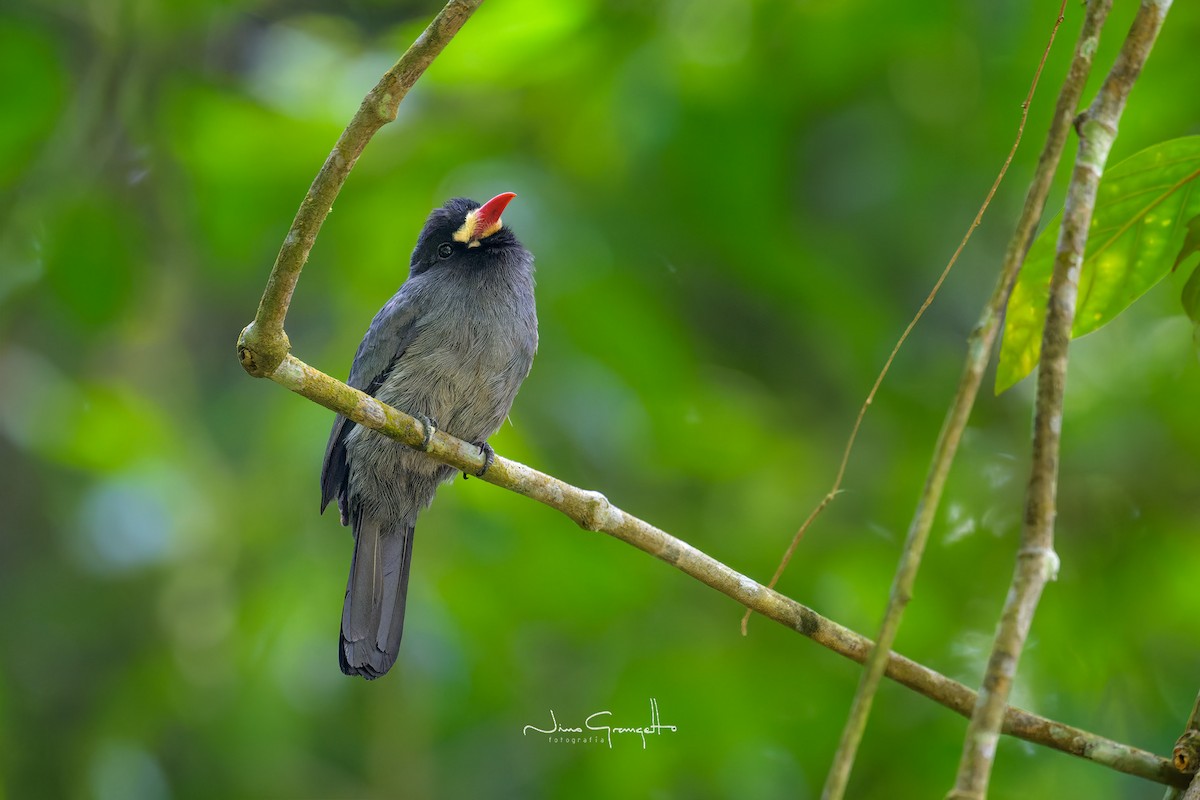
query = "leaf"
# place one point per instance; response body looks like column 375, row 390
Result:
column 1140, row 207
column 1191, row 296
column 1191, row 305
column 1191, row 244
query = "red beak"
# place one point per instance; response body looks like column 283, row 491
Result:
column 489, row 213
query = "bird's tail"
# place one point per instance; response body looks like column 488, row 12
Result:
column 373, row 616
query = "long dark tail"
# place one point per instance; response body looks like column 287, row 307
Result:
column 373, row 616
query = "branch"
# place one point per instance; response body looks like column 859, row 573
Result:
column 264, row 351
column 979, row 349
column 1037, row 562
column 592, row 511
column 1186, row 756
column 263, row 344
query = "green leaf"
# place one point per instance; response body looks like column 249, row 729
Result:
column 1191, row 244
column 1191, row 305
column 1191, row 296
column 1138, row 221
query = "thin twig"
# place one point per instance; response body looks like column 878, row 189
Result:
column 1037, row 562
column 263, row 343
column 978, row 353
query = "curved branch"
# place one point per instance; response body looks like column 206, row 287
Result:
column 1037, row 562
column 263, row 344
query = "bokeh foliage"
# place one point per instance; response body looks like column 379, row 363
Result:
column 736, row 206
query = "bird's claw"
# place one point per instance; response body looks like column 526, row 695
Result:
column 430, row 425
column 489, row 455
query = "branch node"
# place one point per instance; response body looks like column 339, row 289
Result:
column 1050, row 560
column 595, row 512
column 387, row 106
column 1080, row 118
column 1186, row 755
column 261, row 354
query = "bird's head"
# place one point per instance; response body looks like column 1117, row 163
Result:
column 464, row 234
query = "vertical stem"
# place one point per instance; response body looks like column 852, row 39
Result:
column 979, row 350
column 1037, row 562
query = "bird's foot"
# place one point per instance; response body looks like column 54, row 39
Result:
column 489, row 455
column 430, row 425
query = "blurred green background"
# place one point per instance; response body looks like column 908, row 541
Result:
column 736, row 206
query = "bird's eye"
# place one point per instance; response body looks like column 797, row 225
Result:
column 445, row 250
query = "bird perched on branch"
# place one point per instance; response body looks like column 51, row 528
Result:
column 452, row 347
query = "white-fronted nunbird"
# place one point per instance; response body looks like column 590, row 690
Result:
column 451, row 347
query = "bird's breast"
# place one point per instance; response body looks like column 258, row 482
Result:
column 463, row 370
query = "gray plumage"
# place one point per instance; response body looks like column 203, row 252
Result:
column 452, row 345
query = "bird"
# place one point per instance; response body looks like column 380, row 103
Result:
column 451, row 347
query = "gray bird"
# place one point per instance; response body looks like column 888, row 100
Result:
column 452, row 346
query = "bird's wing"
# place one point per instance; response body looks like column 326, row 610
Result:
column 386, row 340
